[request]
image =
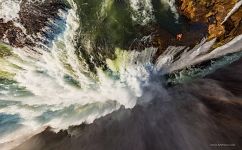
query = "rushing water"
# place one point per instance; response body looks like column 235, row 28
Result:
column 83, row 71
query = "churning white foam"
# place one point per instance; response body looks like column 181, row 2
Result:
column 9, row 9
column 142, row 11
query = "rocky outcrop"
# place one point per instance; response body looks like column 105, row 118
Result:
column 33, row 16
column 13, row 35
column 213, row 13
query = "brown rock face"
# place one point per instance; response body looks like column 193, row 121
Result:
column 14, row 35
column 201, row 10
column 216, row 30
column 34, row 15
column 213, row 12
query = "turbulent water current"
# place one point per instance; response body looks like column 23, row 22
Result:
column 81, row 67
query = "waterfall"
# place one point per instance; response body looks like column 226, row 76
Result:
column 51, row 83
column 200, row 53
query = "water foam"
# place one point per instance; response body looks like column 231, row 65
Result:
column 142, row 11
column 9, row 9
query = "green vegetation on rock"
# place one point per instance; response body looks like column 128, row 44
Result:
column 4, row 50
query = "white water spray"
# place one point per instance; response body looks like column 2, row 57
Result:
column 142, row 11
column 9, row 10
column 200, row 53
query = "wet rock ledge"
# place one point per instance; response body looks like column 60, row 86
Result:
column 33, row 16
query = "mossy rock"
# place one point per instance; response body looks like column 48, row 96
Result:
column 4, row 50
column 6, row 75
